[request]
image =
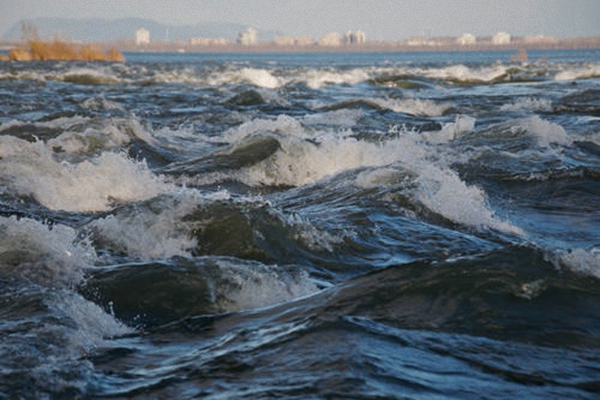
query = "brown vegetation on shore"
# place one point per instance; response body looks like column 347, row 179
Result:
column 59, row 50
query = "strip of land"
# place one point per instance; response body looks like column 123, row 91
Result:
column 112, row 50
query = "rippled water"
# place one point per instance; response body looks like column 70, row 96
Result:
column 418, row 225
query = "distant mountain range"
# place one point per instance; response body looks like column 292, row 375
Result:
column 105, row 29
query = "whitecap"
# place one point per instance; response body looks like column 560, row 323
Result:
column 441, row 190
column 413, row 106
column 581, row 72
column 462, row 73
column 527, row 104
column 317, row 78
column 544, row 131
column 582, row 261
column 250, row 285
column 50, row 255
column 150, row 230
column 462, row 124
column 93, row 185
column 342, row 118
column 87, row 76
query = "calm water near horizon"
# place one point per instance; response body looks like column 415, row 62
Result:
column 361, row 225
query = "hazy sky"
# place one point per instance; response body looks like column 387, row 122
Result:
column 380, row 19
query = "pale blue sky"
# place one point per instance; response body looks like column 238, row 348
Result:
column 380, row 19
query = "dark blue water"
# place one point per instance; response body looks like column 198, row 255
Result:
column 411, row 225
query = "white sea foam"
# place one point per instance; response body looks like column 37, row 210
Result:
column 55, row 342
column 306, row 232
column 62, row 123
column 412, row 106
column 284, row 124
column 442, row 191
column 384, row 176
column 436, row 187
column 545, row 132
column 98, row 135
column 89, row 326
column 583, row 261
column 101, row 103
column 92, row 185
column 249, row 285
column 302, row 162
column 461, row 125
column 95, row 76
column 465, row 74
column 254, row 76
column 528, row 104
column 261, row 78
column 150, row 231
column 584, row 72
column 306, row 157
column 317, row 78
column 341, row 118
column 48, row 255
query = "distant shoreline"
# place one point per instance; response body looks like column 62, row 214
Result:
column 368, row 47
column 588, row 43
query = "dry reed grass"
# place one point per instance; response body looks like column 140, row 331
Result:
column 58, row 50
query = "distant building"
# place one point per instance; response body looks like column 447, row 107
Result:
column 142, row 36
column 285, row 41
column 419, row 41
column 539, row 39
column 248, row 37
column 357, row 37
column 501, row 38
column 304, row 41
column 209, row 42
column 330, row 40
column 293, row 41
column 466, row 39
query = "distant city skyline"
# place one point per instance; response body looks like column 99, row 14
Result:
column 386, row 20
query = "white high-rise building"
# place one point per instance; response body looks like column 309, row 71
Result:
column 357, row 37
column 248, row 37
column 466, row 39
column 501, row 38
column 142, row 36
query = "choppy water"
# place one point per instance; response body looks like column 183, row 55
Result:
column 301, row 226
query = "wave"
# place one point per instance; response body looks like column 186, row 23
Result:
column 318, row 78
column 528, row 104
column 502, row 294
column 148, row 230
column 51, row 255
column 305, row 159
column 463, row 74
column 589, row 71
column 581, row 261
column 519, row 137
column 97, row 184
column 47, row 337
column 87, row 76
column 405, row 77
column 188, row 223
column 75, row 136
column 150, row 294
column 345, row 118
column 411, row 106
